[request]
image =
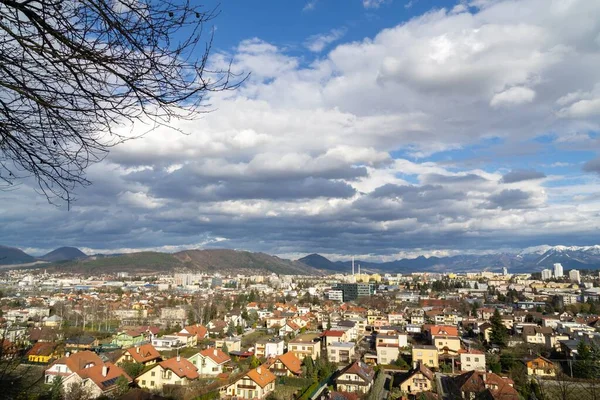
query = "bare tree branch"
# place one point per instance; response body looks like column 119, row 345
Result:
column 71, row 72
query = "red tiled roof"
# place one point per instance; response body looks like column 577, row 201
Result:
column 217, row 355
column 95, row 373
column 291, row 362
column 261, row 376
column 143, row 353
column 181, row 367
column 331, row 333
column 78, row 361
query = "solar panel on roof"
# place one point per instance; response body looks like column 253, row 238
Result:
column 110, row 382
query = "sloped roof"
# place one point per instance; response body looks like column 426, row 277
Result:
column 181, row 367
column 217, row 355
column 78, row 361
column 478, row 382
column 143, row 353
column 41, row 349
column 198, row 330
column 361, row 369
column 291, row 362
column 261, row 376
column 113, row 373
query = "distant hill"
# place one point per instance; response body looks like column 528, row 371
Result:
column 243, row 261
column 12, row 255
column 573, row 257
column 218, row 260
column 63, row 254
column 320, row 262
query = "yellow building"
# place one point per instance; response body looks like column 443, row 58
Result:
column 306, row 345
column 420, row 379
column 43, row 352
column 426, row 355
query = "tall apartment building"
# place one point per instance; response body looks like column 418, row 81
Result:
column 558, row 270
column 546, row 274
column 574, row 276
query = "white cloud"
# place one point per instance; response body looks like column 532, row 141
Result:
column 512, row 97
column 317, row 43
column 374, row 3
column 325, row 132
column 581, row 109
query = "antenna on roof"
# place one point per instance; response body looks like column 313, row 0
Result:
column 352, row 265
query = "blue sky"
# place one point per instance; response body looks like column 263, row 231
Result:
column 379, row 129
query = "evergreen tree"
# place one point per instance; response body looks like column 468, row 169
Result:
column 499, row 335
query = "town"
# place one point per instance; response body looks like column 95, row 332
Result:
column 484, row 335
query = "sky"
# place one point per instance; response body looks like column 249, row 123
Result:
column 376, row 128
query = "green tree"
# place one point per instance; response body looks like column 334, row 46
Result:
column 587, row 363
column 132, row 369
column 56, row 389
column 376, row 392
column 224, row 349
column 499, row 334
column 122, row 385
column 309, row 367
column 254, row 362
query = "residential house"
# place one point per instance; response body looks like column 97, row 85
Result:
column 419, row 379
column 485, row 385
column 277, row 322
column 271, row 347
column 144, row 354
column 472, row 360
column 331, row 336
column 541, row 366
column 210, row 362
column 233, row 343
column 341, row 352
column 290, row 328
column 285, row 365
column 536, row 334
column 426, row 355
column 83, row 342
column 447, row 344
column 96, row 381
column 53, row 321
column 168, row 342
column 70, row 363
column 388, row 347
column 174, row 371
column 200, row 331
column 255, row 384
column 355, row 378
column 306, row 345
column 43, row 352
column 486, row 330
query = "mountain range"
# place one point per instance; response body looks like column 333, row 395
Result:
column 233, row 261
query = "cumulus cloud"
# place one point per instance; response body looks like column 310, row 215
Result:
column 352, row 152
column 520, row 175
column 317, row 43
column 512, row 97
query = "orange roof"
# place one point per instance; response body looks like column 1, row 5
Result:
column 78, row 361
column 447, row 330
column 217, row 355
column 104, row 382
column 261, row 376
column 143, row 353
column 293, row 325
column 291, row 362
column 181, row 367
column 198, row 330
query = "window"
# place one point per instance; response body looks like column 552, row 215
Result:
column 143, row 382
column 151, row 383
column 468, row 359
column 153, row 373
column 476, row 359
